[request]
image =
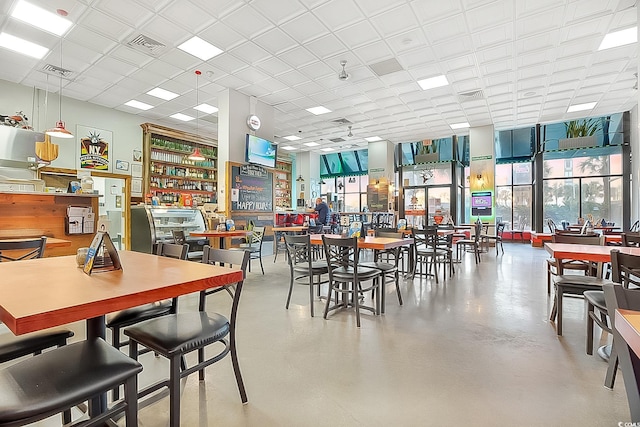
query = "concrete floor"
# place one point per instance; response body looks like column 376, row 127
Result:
column 476, row 349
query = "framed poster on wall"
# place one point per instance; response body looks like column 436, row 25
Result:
column 94, row 147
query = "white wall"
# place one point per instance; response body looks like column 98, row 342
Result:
column 635, row 165
column 127, row 133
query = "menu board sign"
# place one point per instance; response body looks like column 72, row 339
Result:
column 378, row 197
column 254, row 187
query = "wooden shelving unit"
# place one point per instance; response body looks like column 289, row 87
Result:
column 282, row 177
column 169, row 173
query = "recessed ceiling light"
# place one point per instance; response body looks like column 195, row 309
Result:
column 459, row 125
column 581, row 107
column 292, row 138
column 311, row 144
column 200, row 48
column 139, row 105
column 373, row 139
column 346, row 146
column 22, row 46
column 326, row 149
column 183, row 117
column 288, row 148
column 162, row 94
column 206, row 108
column 41, row 18
column 619, row 38
column 318, row 110
column 433, row 82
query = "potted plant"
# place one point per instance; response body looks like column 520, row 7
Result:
column 580, row 134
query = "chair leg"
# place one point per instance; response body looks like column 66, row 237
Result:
column 236, row 365
column 131, row 398
column 311, row 282
column 115, row 341
column 548, row 279
column 612, row 369
column 290, row 291
column 398, row 291
column 261, row 267
column 590, row 312
column 200, row 360
column 559, row 293
column 356, row 302
column 174, row 391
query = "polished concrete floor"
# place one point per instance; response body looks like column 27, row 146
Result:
column 477, row 349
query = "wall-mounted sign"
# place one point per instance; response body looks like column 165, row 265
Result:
column 94, row 147
column 253, row 122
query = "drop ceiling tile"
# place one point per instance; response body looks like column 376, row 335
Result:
column 395, row 21
column 250, row 53
column 154, row 5
column 219, row 8
column 447, row 29
column 181, row 59
column 252, row 75
column 530, row 7
column 80, row 92
column 297, row 57
column 305, row 28
column 408, row 41
column 273, row 66
column 248, row 22
column 91, row 39
column 586, row 9
column 102, row 23
column 275, row 41
column 374, row 52
column 358, row 34
column 498, row 53
column 454, row 48
column 493, row 36
column 127, row 54
column 164, row 69
column 187, row 15
column 490, row 14
column 542, row 22
column 231, row 82
column 374, row 7
column 222, row 36
column 336, row 14
column 318, row 69
column 229, row 63
column 326, row 47
column 107, row 100
column 435, row 10
column 134, row 16
column 278, row 11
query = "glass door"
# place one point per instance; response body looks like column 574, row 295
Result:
column 422, row 204
column 112, row 207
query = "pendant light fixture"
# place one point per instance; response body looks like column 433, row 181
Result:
column 196, row 155
column 300, row 178
column 59, row 130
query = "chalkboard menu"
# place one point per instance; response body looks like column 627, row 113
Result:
column 251, row 188
column 378, row 197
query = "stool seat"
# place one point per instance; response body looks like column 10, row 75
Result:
column 581, row 281
column 32, row 344
column 180, row 333
column 45, row 384
column 318, row 267
column 346, row 273
column 384, row 266
column 596, row 298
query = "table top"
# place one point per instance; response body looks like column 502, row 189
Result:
column 628, row 324
column 368, row 242
column 52, row 242
column 216, row 233
column 595, row 253
column 597, row 227
column 47, row 292
column 293, row 228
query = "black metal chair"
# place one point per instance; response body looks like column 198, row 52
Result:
column 302, row 268
column 427, row 251
column 344, row 269
column 473, row 243
column 498, row 236
column 34, row 343
column 57, row 380
column 573, row 284
column 25, row 248
column 175, row 335
column 573, row 265
column 388, row 267
column 180, row 239
column 120, row 320
column 254, row 247
column 631, row 239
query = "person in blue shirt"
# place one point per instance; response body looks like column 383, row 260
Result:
column 323, row 212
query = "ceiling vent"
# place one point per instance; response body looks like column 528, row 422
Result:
column 54, row 70
column 337, row 140
column 471, row 95
column 147, row 45
column 341, row 121
column 386, row 67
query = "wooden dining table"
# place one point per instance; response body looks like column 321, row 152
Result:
column 217, row 239
column 52, row 242
column 594, row 253
column 48, row 292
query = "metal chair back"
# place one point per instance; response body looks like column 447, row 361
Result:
column 26, row 249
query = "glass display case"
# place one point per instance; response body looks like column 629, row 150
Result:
column 153, row 224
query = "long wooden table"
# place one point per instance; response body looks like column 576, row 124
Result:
column 595, row 253
column 217, row 239
column 47, row 292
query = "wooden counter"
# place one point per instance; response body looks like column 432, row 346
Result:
column 43, row 214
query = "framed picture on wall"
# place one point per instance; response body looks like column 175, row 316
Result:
column 94, row 147
column 122, row 165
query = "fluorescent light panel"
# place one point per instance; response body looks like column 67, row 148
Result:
column 433, row 82
column 182, row 117
column 311, row 144
column 162, row 94
column 22, row 46
column 200, row 48
column 206, row 108
column 581, row 107
column 139, row 105
column 318, row 110
column 292, row 138
column 41, row 18
column 373, row 139
column 619, row 38
column 459, row 125
column 326, row 149
column 288, row 148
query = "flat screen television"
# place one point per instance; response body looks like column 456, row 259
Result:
column 261, row 152
column 481, row 202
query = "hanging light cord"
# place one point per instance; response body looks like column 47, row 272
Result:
column 60, row 72
column 198, row 72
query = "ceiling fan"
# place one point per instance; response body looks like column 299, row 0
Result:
column 343, row 74
column 350, row 134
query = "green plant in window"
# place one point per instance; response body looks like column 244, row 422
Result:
column 579, row 128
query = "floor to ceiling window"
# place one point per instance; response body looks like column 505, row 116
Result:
column 513, row 195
